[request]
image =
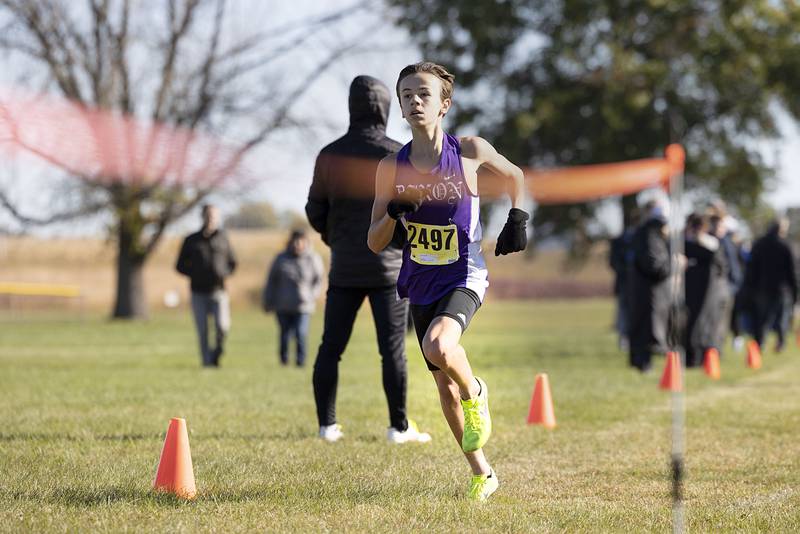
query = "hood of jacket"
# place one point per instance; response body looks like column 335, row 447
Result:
column 369, row 105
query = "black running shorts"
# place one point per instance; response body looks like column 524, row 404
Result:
column 460, row 305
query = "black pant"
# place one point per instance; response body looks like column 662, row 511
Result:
column 390, row 314
column 772, row 312
column 640, row 357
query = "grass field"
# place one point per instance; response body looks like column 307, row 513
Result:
column 84, row 406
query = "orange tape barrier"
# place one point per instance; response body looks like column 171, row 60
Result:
column 110, row 146
column 592, row 182
column 585, row 183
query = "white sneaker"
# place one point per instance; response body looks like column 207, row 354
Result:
column 331, row 433
column 411, row 434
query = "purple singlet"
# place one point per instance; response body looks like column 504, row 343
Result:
column 443, row 251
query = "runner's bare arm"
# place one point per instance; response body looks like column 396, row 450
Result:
column 381, row 228
column 486, row 156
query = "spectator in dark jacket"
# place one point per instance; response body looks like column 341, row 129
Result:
column 339, row 207
column 620, row 258
column 771, row 283
column 706, row 290
column 207, row 258
column 291, row 291
column 648, row 290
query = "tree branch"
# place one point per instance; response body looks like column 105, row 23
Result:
column 100, row 49
column 206, row 97
column 83, row 211
column 172, row 212
column 30, row 16
column 177, row 34
column 91, row 58
column 284, row 108
column 322, row 20
column 119, row 60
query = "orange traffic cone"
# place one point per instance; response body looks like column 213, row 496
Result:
column 711, row 363
column 175, row 473
column 753, row 355
column 671, row 379
column 541, row 411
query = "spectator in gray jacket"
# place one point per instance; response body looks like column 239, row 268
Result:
column 207, row 258
column 291, row 291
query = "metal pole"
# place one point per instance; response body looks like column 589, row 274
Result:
column 678, row 399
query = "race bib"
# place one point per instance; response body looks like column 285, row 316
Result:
column 432, row 244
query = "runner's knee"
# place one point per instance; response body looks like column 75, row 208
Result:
column 439, row 350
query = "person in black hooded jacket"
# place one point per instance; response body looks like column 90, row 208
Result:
column 771, row 283
column 339, row 208
column 648, row 290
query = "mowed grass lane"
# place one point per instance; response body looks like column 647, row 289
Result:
column 84, row 406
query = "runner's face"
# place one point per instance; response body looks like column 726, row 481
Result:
column 421, row 99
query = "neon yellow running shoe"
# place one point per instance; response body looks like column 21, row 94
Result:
column 477, row 421
column 482, row 486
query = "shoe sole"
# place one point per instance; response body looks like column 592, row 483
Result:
column 426, row 439
column 486, row 498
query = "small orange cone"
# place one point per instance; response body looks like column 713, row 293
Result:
column 671, row 379
column 711, row 363
column 753, row 355
column 175, row 473
column 541, row 411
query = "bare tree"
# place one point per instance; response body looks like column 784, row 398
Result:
column 183, row 67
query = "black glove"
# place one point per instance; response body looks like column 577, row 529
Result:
column 407, row 202
column 513, row 237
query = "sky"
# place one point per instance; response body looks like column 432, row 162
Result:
column 293, row 158
column 283, row 167
column 787, row 191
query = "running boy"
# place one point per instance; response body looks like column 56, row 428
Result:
column 431, row 186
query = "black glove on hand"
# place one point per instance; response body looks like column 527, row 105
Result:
column 513, row 237
column 407, row 202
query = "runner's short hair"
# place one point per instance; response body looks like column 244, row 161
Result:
column 437, row 70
